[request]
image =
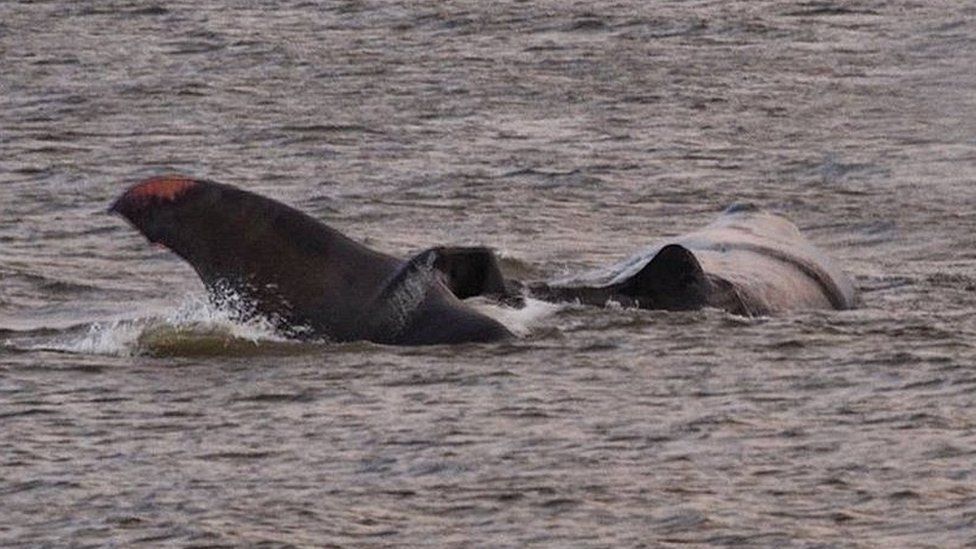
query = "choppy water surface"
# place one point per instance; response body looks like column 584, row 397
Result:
column 566, row 135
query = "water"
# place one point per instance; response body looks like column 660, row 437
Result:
column 566, row 135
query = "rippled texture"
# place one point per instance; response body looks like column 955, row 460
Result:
column 567, row 135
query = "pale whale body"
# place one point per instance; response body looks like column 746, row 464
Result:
column 748, row 262
column 315, row 282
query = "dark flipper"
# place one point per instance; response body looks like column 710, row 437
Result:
column 469, row 271
column 671, row 280
column 282, row 263
column 474, row 271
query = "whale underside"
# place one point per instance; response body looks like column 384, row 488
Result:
column 312, row 281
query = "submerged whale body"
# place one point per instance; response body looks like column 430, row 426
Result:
column 309, row 279
column 312, row 281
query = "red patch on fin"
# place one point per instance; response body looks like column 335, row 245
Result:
column 167, row 187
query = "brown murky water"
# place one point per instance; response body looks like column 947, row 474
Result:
column 564, row 134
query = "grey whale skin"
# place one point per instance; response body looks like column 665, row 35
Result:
column 291, row 268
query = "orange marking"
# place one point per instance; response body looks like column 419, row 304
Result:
column 167, row 187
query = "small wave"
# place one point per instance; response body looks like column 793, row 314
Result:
column 195, row 328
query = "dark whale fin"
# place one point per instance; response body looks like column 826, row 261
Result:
column 672, row 280
column 470, row 271
column 282, row 263
column 308, row 278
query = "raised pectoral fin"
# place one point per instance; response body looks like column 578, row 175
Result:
column 281, row 262
column 672, row 280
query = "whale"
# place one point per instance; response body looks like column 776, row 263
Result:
column 312, row 281
column 307, row 278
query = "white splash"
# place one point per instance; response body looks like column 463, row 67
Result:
column 520, row 322
column 194, row 320
column 117, row 338
column 197, row 313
